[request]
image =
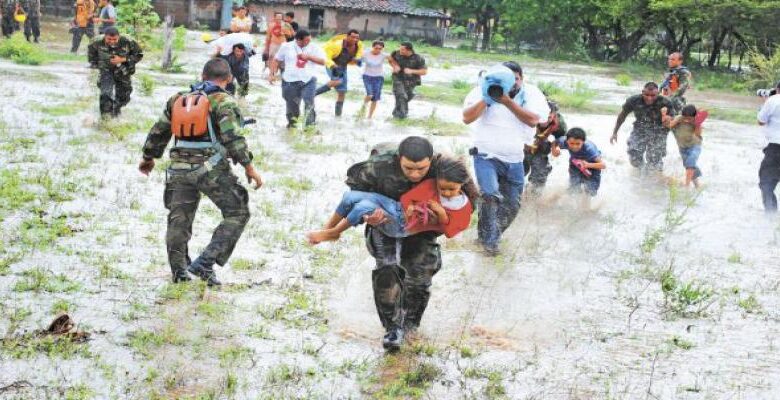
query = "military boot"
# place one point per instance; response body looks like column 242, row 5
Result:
column 181, row 276
column 206, row 274
column 339, row 108
column 393, row 339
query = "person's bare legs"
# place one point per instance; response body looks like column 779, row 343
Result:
column 371, row 109
column 332, row 221
column 328, row 235
column 688, row 176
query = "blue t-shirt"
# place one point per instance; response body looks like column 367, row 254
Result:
column 588, row 152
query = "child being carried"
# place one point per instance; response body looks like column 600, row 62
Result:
column 442, row 204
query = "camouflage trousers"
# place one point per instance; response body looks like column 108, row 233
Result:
column 183, row 188
column 241, row 82
column 9, row 25
column 115, row 90
column 537, row 167
column 403, row 276
column 647, row 148
column 32, row 27
column 678, row 102
column 403, row 91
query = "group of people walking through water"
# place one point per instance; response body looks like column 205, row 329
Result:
column 406, row 194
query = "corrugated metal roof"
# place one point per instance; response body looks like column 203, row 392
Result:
column 382, row 6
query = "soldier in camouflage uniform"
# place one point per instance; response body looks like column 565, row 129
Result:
column 537, row 159
column 194, row 171
column 408, row 67
column 676, row 82
column 32, row 25
column 115, row 56
column 404, row 267
column 647, row 143
column 8, row 10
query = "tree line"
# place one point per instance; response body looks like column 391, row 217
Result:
column 622, row 30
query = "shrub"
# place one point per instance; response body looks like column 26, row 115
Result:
column 147, row 84
column 21, row 51
column 623, row 79
column 765, row 70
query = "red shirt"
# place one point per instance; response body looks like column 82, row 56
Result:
column 426, row 190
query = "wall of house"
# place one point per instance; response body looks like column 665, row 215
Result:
column 368, row 24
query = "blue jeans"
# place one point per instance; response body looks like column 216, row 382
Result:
column 338, row 74
column 578, row 180
column 501, row 185
column 690, row 155
column 293, row 93
column 355, row 205
column 373, row 86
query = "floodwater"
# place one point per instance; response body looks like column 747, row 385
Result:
column 573, row 308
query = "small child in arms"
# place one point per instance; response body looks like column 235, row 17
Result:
column 585, row 163
column 687, row 131
column 442, row 204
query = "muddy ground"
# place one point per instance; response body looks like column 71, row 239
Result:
column 659, row 292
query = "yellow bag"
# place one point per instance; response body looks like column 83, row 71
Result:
column 20, row 17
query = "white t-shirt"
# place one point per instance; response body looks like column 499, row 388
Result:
column 288, row 53
column 770, row 116
column 227, row 42
column 499, row 133
column 374, row 63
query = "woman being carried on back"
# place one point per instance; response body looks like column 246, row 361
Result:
column 443, row 204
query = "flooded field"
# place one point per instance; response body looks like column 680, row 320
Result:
column 660, row 292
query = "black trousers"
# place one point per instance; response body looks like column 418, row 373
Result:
column 769, row 176
column 32, row 27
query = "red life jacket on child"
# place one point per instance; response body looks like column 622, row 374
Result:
column 419, row 195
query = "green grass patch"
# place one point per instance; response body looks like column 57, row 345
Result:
column 750, row 304
column 736, row 115
column 31, row 345
column 13, row 191
column 453, row 93
column 575, row 97
column 42, row 280
column 432, row 125
column 294, row 185
column 147, row 342
column 685, row 299
column 38, row 233
column 244, row 264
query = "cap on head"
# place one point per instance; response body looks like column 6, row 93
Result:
column 415, row 148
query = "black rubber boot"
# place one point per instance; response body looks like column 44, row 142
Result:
column 339, row 108
column 181, row 276
column 206, row 274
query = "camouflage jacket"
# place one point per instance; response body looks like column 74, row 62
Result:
column 415, row 61
column 31, row 7
column 382, row 174
column 8, row 6
column 648, row 116
column 99, row 54
column 683, row 80
column 224, row 111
